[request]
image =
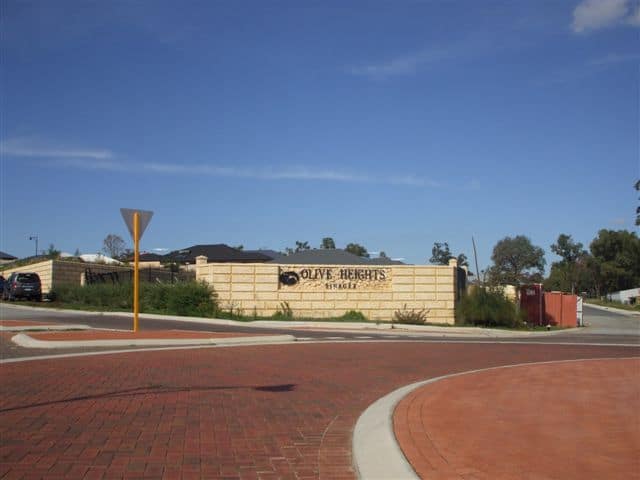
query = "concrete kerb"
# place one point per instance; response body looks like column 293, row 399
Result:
column 619, row 311
column 406, row 329
column 39, row 328
column 27, row 341
column 376, row 453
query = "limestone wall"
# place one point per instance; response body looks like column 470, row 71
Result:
column 43, row 269
column 321, row 291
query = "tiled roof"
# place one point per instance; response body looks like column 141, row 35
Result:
column 328, row 256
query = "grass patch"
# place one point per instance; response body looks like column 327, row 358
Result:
column 486, row 308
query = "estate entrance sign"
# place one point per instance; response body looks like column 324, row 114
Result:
column 311, row 278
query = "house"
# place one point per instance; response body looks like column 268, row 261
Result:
column 331, row 256
column 6, row 258
column 218, row 253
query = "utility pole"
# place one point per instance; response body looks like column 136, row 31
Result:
column 35, row 237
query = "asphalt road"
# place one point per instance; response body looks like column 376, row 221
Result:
column 603, row 327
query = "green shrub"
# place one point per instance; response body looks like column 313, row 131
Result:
column 487, row 308
column 188, row 298
column 284, row 312
column 353, row 316
column 413, row 317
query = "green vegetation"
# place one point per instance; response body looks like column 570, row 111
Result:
column 488, row 308
column 412, row 317
column 188, row 298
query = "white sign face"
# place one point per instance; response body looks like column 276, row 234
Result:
column 144, row 219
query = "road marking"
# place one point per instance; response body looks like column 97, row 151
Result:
column 333, row 338
column 363, row 338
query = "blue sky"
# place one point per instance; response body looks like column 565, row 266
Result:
column 394, row 124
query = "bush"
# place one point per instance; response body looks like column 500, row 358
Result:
column 413, row 317
column 188, row 298
column 487, row 308
column 284, row 312
column 353, row 316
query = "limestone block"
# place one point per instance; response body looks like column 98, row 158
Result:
column 266, row 287
column 272, row 296
column 425, row 271
column 286, row 296
column 242, row 269
column 309, row 296
column 403, row 296
column 271, row 270
column 360, row 306
column 444, row 288
column 447, row 295
column 242, row 287
column 219, row 268
column 358, row 295
column 335, row 295
column 444, row 272
column 381, row 296
column 402, row 271
column 425, row 295
column 425, row 279
column 266, row 279
column 403, row 280
column 403, row 288
column 221, row 287
column 343, row 305
column 297, row 306
column 220, row 277
column 425, row 288
column 242, row 278
column 242, row 296
column 322, row 305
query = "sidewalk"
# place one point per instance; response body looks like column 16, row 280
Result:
column 47, row 335
column 410, row 330
column 486, row 425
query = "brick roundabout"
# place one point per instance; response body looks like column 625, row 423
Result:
column 252, row 412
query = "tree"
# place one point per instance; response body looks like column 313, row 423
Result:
column 239, row 247
column 516, row 261
column 616, row 260
column 299, row 247
column 328, row 243
column 441, row 254
column 568, row 275
column 357, row 249
column 52, row 252
column 113, row 246
column 77, row 253
column 382, row 254
column 637, row 186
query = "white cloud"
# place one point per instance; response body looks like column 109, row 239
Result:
column 27, row 148
column 105, row 160
column 597, row 14
column 401, row 65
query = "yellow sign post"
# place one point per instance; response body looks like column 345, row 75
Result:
column 136, row 271
column 136, row 221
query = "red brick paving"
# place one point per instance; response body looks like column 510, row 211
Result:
column 567, row 420
column 23, row 323
column 140, row 335
column 260, row 412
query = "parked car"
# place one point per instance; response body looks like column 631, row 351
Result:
column 2, row 281
column 22, row 285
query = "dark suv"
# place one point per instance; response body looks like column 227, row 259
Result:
column 22, row 285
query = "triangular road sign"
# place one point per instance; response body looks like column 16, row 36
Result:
column 145, row 218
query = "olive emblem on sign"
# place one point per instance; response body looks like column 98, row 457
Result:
column 289, row 278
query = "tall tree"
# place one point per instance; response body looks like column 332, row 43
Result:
column 441, row 254
column 357, row 249
column 569, row 274
column 516, row 261
column 637, row 186
column 616, row 255
column 328, row 243
column 113, row 246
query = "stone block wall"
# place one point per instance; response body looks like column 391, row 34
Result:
column 322, row 291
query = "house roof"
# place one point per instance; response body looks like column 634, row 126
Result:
column 330, row 256
column 6, row 256
column 269, row 253
column 215, row 253
column 150, row 257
